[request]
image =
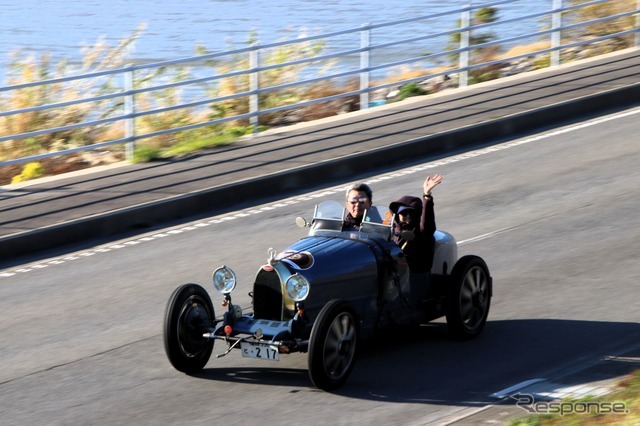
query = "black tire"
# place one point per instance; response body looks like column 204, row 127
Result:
column 189, row 314
column 332, row 345
column 469, row 297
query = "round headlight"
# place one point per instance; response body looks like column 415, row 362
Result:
column 224, row 280
column 297, row 287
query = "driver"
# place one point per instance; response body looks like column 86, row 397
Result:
column 359, row 199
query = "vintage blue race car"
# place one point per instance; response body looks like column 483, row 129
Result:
column 325, row 293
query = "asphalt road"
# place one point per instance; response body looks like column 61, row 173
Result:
column 554, row 215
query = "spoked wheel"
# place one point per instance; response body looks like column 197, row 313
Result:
column 469, row 297
column 189, row 314
column 332, row 346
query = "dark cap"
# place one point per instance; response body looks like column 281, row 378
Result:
column 407, row 201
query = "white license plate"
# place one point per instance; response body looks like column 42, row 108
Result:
column 254, row 350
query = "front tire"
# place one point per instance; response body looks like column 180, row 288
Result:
column 469, row 297
column 189, row 314
column 332, row 345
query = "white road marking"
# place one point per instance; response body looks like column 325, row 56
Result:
column 326, row 193
column 541, row 389
column 480, row 237
column 515, row 388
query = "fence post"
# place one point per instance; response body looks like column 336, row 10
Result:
column 254, row 85
column 637, row 24
column 129, row 110
column 556, row 35
column 465, row 37
column 365, row 43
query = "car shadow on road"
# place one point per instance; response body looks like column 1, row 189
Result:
column 429, row 367
column 436, row 368
column 426, row 366
column 259, row 375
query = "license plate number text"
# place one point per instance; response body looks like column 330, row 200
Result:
column 253, row 350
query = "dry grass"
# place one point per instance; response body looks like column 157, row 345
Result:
column 525, row 49
column 628, row 393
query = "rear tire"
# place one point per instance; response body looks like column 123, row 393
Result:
column 332, row 345
column 469, row 297
column 189, row 314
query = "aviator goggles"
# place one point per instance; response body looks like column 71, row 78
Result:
column 360, row 200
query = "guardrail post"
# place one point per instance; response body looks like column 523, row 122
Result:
column 465, row 37
column 365, row 43
column 254, row 85
column 129, row 110
column 556, row 35
column 637, row 24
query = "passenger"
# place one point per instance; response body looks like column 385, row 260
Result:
column 359, row 199
column 417, row 215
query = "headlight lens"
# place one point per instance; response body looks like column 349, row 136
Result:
column 224, row 280
column 297, row 287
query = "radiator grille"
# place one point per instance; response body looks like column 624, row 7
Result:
column 267, row 296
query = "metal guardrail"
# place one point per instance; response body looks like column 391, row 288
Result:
column 130, row 110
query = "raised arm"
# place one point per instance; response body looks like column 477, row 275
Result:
column 428, row 219
column 430, row 183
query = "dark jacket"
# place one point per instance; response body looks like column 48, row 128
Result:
column 419, row 251
column 351, row 222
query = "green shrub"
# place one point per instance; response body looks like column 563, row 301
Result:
column 410, row 89
column 143, row 154
column 542, row 62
